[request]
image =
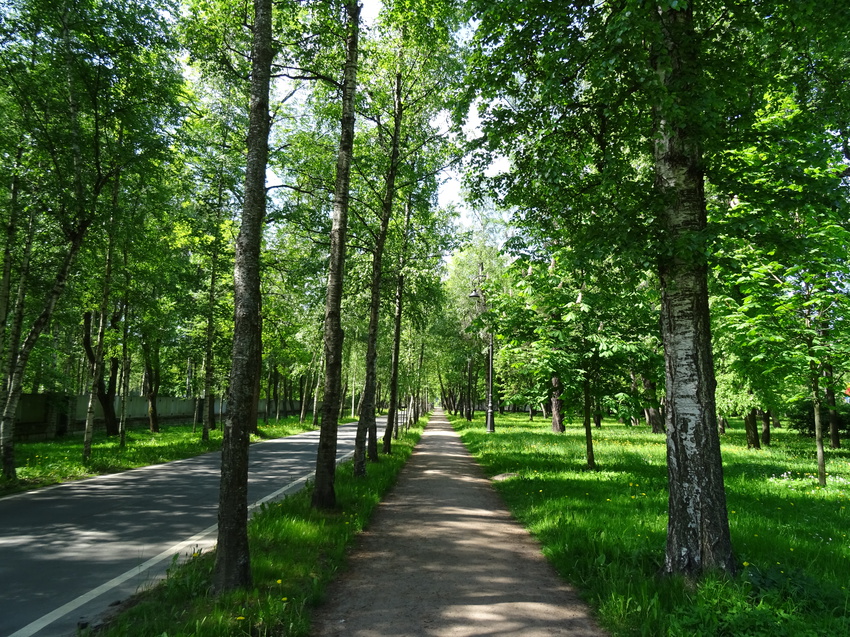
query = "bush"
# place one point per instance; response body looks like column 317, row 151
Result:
column 801, row 417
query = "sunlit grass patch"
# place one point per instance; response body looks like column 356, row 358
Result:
column 605, row 530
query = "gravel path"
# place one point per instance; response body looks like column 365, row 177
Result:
column 443, row 557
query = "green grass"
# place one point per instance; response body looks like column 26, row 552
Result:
column 605, row 530
column 50, row 462
column 295, row 553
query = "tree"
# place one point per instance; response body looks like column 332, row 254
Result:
column 232, row 563
column 598, row 74
column 324, row 496
column 408, row 84
column 622, row 112
column 698, row 527
column 92, row 107
column 781, row 257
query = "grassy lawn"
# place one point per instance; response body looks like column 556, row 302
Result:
column 605, row 530
column 50, row 462
column 295, row 553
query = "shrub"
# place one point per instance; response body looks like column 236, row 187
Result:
column 801, row 417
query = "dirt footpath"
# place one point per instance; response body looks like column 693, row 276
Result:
column 443, row 557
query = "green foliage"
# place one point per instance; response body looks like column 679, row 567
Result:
column 800, row 416
column 605, row 530
column 764, row 604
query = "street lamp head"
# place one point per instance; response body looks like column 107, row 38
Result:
column 475, row 294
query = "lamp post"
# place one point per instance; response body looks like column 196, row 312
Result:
column 477, row 294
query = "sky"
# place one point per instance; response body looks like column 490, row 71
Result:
column 370, row 10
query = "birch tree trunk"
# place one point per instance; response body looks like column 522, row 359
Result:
column 13, row 395
column 96, row 354
column 317, row 392
column 366, row 422
column 324, row 495
column 232, row 557
column 392, row 411
column 11, row 239
column 208, row 415
column 698, row 528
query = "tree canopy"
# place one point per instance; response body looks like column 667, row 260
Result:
column 198, row 207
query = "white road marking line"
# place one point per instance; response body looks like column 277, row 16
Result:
column 49, row 618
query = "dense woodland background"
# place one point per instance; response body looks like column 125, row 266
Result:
column 616, row 157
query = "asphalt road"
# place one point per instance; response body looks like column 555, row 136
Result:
column 68, row 552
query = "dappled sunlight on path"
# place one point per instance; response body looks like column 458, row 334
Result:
column 444, row 557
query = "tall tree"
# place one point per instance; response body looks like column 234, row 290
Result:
column 698, row 535
column 232, row 563
column 324, row 494
column 78, row 87
column 619, row 112
column 408, row 84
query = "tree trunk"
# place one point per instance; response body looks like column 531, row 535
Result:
column 557, row 415
column 303, row 384
column 209, row 361
column 342, row 396
column 392, row 411
column 366, row 422
column 17, row 324
column 698, row 536
column 96, row 356
column 275, row 392
column 13, row 394
column 751, row 428
column 653, row 412
column 232, row 556
column 11, row 242
column 125, row 348
column 821, row 456
column 105, row 392
column 765, row 427
column 324, row 495
column 317, row 393
column 834, row 424
column 588, row 430
column 417, row 409
column 470, row 392
column 152, row 375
